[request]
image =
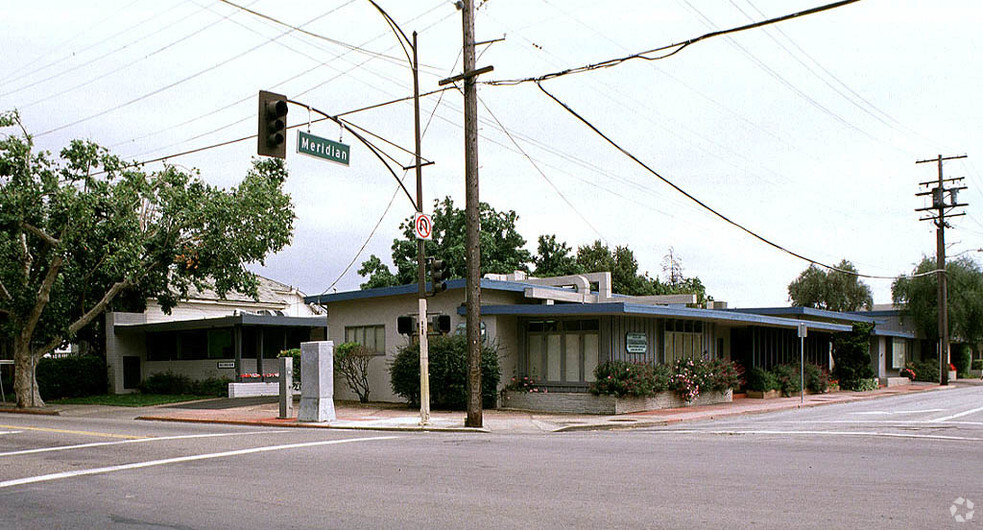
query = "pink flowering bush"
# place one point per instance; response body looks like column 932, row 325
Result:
column 687, row 377
column 523, row 384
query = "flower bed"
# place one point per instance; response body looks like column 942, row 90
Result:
column 584, row 403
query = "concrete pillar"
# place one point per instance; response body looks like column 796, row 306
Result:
column 317, row 382
column 286, row 387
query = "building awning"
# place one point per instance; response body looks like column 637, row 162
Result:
column 242, row 319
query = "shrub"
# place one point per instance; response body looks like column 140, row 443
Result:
column 865, row 384
column 817, row 379
column 788, row 377
column 908, row 372
column 213, row 386
column 623, row 378
column 165, row 383
column 295, row 354
column 927, row 371
column 962, row 358
column 977, row 365
column 760, row 380
column 448, row 373
column 352, row 361
column 71, row 376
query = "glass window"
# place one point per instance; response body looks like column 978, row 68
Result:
column 373, row 338
column 899, row 352
column 220, row 344
column 535, row 357
column 572, row 357
column 590, row 356
column 553, row 357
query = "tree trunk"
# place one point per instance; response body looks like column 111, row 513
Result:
column 25, row 382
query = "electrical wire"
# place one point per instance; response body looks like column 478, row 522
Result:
column 182, row 80
column 395, row 60
column 675, row 48
column 391, row 199
column 703, row 204
column 540, row 171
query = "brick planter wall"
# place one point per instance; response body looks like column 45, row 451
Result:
column 584, row 403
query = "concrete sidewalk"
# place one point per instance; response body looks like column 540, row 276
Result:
column 390, row 417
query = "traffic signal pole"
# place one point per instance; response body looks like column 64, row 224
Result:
column 421, row 256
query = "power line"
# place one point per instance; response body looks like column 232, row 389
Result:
column 102, row 76
column 87, row 48
column 182, row 80
column 395, row 60
column 675, row 48
column 698, row 201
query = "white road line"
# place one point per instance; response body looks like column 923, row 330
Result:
column 133, row 441
column 885, row 422
column 830, row 433
column 11, row 432
column 192, row 458
column 888, row 412
column 959, row 415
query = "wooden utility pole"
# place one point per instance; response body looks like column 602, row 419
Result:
column 939, row 206
column 473, row 281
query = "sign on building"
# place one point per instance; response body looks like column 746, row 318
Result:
column 636, row 342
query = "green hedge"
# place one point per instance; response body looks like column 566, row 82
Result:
column 687, row 377
column 962, row 358
column 169, row 383
column 71, row 376
column 448, row 373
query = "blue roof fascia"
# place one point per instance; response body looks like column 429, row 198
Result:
column 806, row 311
column 402, row 290
column 623, row 308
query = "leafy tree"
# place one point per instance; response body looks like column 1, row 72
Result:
column 555, row 258
column 625, row 278
column 86, row 232
column 918, row 297
column 501, row 246
column 851, row 356
column 835, row 290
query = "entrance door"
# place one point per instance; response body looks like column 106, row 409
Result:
column 131, row 371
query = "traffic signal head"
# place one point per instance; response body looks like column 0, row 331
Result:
column 438, row 275
column 271, row 139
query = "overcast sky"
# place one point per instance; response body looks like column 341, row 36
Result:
column 805, row 132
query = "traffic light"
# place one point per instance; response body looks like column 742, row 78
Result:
column 271, row 139
column 438, row 276
column 444, row 324
column 404, row 325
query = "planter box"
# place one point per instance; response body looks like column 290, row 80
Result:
column 584, row 403
column 952, row 375
column 770, row 394
column 895, row 381
column 238, row 390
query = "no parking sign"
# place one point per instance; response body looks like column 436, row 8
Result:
column 423, row 226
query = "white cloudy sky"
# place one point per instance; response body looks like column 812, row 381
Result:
column 805, row 132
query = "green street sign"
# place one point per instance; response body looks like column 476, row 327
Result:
column 308, row 144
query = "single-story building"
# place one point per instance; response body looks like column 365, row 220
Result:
column 557, row 330
column 210, row 336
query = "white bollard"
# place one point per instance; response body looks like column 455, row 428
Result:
column 286, row 387
column 316, row 382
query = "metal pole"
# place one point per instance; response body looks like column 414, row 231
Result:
column 421, row 253
column 802, row 369
column 473, row 258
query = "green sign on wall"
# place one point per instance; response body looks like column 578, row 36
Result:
column 308, row 144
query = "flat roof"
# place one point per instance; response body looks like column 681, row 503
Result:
column 625, row 308
column 242, row 319
column 381, row 292
column 806, row 312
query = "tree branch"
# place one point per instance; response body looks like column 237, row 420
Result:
column 5, row 292
column 44, row 294
column 40, row 233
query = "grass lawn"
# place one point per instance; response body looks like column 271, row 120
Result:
column 129, row 400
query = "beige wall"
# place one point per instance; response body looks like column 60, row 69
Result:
column 385, row 311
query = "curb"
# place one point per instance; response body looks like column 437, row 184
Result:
column 298, row 425
column 726, row 414
column 35, row 412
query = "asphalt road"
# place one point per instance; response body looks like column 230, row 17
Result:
column 897, row 462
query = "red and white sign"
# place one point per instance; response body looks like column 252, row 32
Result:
column 423, row 226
